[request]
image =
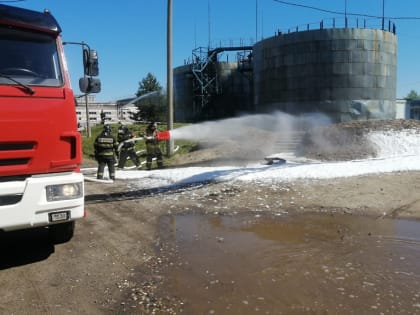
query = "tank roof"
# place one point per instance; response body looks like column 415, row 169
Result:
column 24, row 18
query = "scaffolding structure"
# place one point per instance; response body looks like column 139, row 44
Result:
column 206, row 82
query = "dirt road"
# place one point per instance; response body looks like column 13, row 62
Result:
column 113, row 264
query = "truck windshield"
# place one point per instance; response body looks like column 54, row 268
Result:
column 29, row 57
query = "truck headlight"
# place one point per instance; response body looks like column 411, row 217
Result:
column 64, row 191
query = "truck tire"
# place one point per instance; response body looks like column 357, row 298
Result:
column 62, row 232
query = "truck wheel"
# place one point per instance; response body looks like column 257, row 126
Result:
column 62, row 232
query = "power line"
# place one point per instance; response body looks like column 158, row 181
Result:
column 347, row 13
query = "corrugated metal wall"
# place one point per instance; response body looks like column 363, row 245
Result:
column 347, row 73
column 183, row 94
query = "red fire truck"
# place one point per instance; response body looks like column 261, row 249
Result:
column 40, row 146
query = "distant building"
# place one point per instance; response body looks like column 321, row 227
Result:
column 113, row 111
column 407, row 109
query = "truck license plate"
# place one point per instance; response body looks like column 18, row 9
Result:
column 59, row 216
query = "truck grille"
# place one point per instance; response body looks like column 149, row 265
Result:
column 17, row 146
column 8, row 162
column 19, row 149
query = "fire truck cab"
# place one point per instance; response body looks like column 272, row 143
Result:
column 40, row 146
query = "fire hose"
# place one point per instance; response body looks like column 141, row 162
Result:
column 160, row 136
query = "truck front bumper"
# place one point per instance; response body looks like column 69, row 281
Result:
column 41, row 200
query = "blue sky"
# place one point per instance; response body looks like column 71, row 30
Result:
column 130, row 35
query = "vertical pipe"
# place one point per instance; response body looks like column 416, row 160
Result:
column 256, row 21
column 345, row 9
column 87, row 117
column 208, row 17
column 383, row 14
column 88, row 130
column 170, row 143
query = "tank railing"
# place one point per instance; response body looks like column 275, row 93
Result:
column 230, row 43
column 374, row 23
column 201, row 56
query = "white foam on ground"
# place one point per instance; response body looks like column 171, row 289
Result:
column 398, row 151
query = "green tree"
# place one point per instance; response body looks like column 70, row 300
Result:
column 148, row 84
column 151, row 108
column 412, row 95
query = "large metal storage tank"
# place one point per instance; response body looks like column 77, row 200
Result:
column 234, row 88
column 183, row 94
column 347, row 73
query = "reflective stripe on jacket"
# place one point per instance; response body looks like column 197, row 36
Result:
column 105, row 145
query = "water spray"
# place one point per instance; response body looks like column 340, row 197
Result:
column 238, row 128
column 141, row 97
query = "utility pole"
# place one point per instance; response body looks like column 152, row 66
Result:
column 169, row 80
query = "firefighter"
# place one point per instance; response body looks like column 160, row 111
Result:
column 152, row 146
column 105, row 147
column 127, row 147
column 103, row 117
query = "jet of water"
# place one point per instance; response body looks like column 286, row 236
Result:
column 251, row 135
column 239, row 127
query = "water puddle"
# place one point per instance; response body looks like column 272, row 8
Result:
column 315, row 264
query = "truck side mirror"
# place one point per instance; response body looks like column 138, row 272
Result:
column 90, row 62
column 89, row 85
